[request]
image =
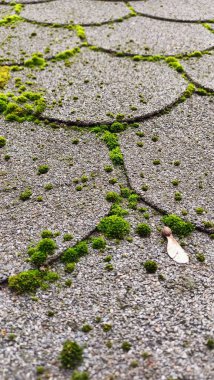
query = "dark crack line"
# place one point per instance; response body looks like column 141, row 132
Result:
column 172, row 20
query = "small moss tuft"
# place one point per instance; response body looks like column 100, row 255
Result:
column 116, row 156
column 80, row 375
column 43, row 169
column 114, row 227
column 143, row 230
column 113, row 197
column 200, row 257
column 67, row 237
column 178, row 225
column 47, row 234
column 210, row 343
column 70, row 267
column 71, row 355
column 2, row 141
column 98, row 243
column 126, row 346
column 86, row 328
column 25, row 195
column 150, row 266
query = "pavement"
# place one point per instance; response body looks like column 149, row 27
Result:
column 107, row 95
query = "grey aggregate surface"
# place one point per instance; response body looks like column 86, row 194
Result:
column 191, row 10
column 201, row 71
column 22, row 40
column 168, row 316
column 150, row 314
column 63, row 209
column 178, row 141
column 142, row 35
column 93, row 79
column 76, row 11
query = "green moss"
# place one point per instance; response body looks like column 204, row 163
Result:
column 38, row 258
column 148, row 58
column 67, row 237
column 25, row 195
column 126, row 346
column 140, row 144
column 18, row 8
column 112, row 181
column 73, row 254
column 155, row 138
column 8, row 20
column 174, row 63
column 133, row 200
column 81, row 248
column 79, row 188
column 71, row 355
column 107, row 259
column 210, row 344
column 117, row 127
column 150, row 266
column 39, row 198
column 48, row 187
column 208, row 27
column 47, row 245
column 143, row 230
column 36, row 61
column 110, row 139
column 113, row 197
column 98, row 243
column 86, row 328
column 40, row 370
column 200, row 257
column 70, row 267
column 134, row 364
column 156, row 162
column 188, row 92
column 116, row 156
column 4, row 76
column 199, row 210
column 108, row 169
column 125, row 192
column 2, row 141
column 106, row 327
column 145, row 187
column 80, row 375
column 109, row 267
column 66, row 54
column 114, row 227
column 175, row 182
column 178, row 196
column 80, row 31
column 42, row 169
column 30, row 281
column 208, row 224
column 116, row 209
column 47, row 234
column 178, row 225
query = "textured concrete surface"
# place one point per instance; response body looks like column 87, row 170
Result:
column 142, row 36
column 191, row 10
column 51, row 97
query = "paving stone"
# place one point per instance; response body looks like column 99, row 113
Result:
column 30, row 1
column 19, row 42
column 96, row 84
column 75, row 11
column 169, row 320
column 186, row 137
column 6, row 11
column 191, row 10
column 201, row 70
column 142, row 36
column 63, row 208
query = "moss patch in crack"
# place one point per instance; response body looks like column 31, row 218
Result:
column 4, row 76
column 73, row 254
column 114, row 227
column 175, row 64
column 36, row 61
column 178, row 225
column 64, row 55
column 26, row 107
column 116, row 156
column 71, row 355
column 8, row 20
column 18, row 8
column 80, row 31
column 29, row 281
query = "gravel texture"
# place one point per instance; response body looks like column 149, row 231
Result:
column 201, row 71
column 166, row 317
column 184, row 135
column 191, row 10
column 19, row 42
column 142, row 36
column 63, row 208
column 76, row 11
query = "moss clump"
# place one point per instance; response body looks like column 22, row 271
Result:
column 70, row 267
column 71, row 355
column 108, row 169
column 116, row 209
column 178, row 196
column 30, row 281
column 18, row 8
column 80, row 31
column 98, row 243
column 109, row 267
column 8, row 20
column 178, row 225
column 86, row 328
column 106, row 327
column 174, row 63
column 188, row 92
column 117, row 127
column 210, row 344
column 110, row 139
column 125, row 192
column 36, row 61
column 112, row 196
column 73, row 254
column 133, row 200
column 80, row 375
column 126, row 346
column 38, row 258
column 66, row 54
column 150, row 266
column 48, row 187
column 40, row 370
column 200, row 257
column 116, row 156
column 25, row 195
column 114, row 227
column 143, row 230
column 199, row 210
column 43, row 169
column 67, row 237
column 47, row 245
column 2, row 141
column 4, row 76
column 47, row 234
